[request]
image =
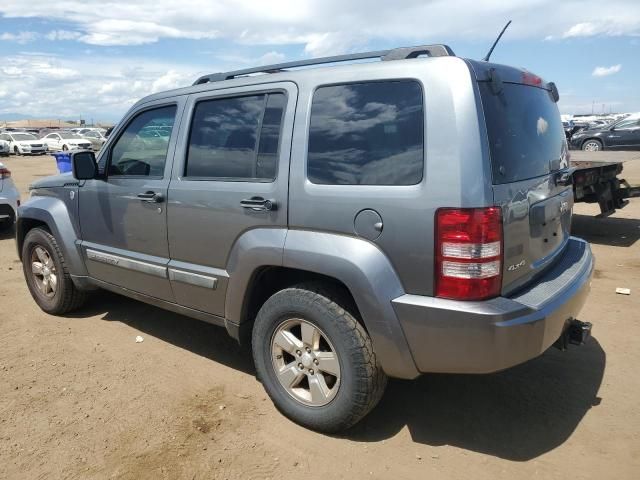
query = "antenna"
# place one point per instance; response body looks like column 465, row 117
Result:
column 486, row 59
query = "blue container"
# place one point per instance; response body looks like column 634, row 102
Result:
column 64, row 161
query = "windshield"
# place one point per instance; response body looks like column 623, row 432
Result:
column 67, row 135
column 525, row 132
column 23, row 136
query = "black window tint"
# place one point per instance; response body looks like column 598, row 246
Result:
column 236, row 138
column 268, row 148
column 141, row 150
column 525, row 131
column 367, row 134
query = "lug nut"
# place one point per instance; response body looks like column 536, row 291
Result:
column 311, row 372
column 315, row 360
column 300, row 366
column 308, row 350
column 298, row 352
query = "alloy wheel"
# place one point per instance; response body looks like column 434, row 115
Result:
column 44, row 271
column 305, row 362
column 591, row 147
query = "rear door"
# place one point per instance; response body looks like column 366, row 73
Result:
column 231, row 176
column 529, row 159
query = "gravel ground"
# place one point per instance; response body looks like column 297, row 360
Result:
column 79, row 398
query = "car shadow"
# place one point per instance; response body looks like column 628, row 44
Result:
column 614, row 231
column 517, row 414
column 201, row 338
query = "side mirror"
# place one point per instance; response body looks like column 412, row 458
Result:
column 84, row 165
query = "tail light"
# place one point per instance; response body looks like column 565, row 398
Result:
column 4, row 173
column 468, row 253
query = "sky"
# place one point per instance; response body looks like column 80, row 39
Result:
column 93, row 59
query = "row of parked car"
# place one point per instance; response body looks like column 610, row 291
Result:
column 620, row 134
column 23, row 142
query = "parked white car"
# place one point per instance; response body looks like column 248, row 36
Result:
column 66, row 141
column 5, row 149
column 9, row 199
column 23, row 143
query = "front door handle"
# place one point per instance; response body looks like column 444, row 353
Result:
column 151, row 197
column 259, row 204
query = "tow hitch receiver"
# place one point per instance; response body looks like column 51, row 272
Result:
column 576, row 334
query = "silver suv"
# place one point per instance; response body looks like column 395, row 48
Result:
column 352, row 222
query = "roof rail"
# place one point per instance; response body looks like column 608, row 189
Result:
column 385, row 55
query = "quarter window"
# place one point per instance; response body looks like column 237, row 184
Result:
column 236, row 138
column 141, row 150
column 367, row 134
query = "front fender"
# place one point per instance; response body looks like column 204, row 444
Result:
column 54, row 213
column 371, row 279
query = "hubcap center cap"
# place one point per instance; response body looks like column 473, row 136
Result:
column 307, row 360
column 46, row 272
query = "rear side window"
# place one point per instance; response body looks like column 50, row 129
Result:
column 525, row 131
column 367, row 134
column 236, row 138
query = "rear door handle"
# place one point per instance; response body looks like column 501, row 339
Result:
column 151, row 197
column 259, row 204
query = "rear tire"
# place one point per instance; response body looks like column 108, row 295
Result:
column 16, row 151
column 335, row 379
column 46, row 274
column 65, row 148
column 592, row 146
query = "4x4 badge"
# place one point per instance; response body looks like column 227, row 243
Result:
column 516, row 266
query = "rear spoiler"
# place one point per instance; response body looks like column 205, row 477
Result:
column 495, row 78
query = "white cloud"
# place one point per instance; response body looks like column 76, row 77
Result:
column 615, row 26
column 325, row 26
column 96, row 87
column 605, row 71
column 271, row 58
column 63, row 35
column 20, row 37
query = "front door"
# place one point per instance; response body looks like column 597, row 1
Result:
column 230, row 176
column 625, row 135
column 123, row 216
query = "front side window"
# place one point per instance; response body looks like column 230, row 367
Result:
column 627, row 124
column 367, row 134
column 236, row 138
column 140, row 151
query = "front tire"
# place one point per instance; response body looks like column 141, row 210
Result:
column 46, row 274
column 315, row 360
column 592, row 146
column 16, row 151
column 65, row 148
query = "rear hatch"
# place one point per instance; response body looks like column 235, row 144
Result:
column 529, row 159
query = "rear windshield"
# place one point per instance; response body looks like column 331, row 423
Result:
column 525, row 131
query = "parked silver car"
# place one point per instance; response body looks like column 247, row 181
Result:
column 96, row 138
column 351, row 222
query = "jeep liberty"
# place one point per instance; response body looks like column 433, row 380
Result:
column 351, row 222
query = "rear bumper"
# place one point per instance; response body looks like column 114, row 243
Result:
column 482, row 337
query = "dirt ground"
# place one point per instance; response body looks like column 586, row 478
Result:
column 79, row 398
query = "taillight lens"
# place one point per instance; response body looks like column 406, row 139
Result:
column 5, row 173
column 468, row 253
